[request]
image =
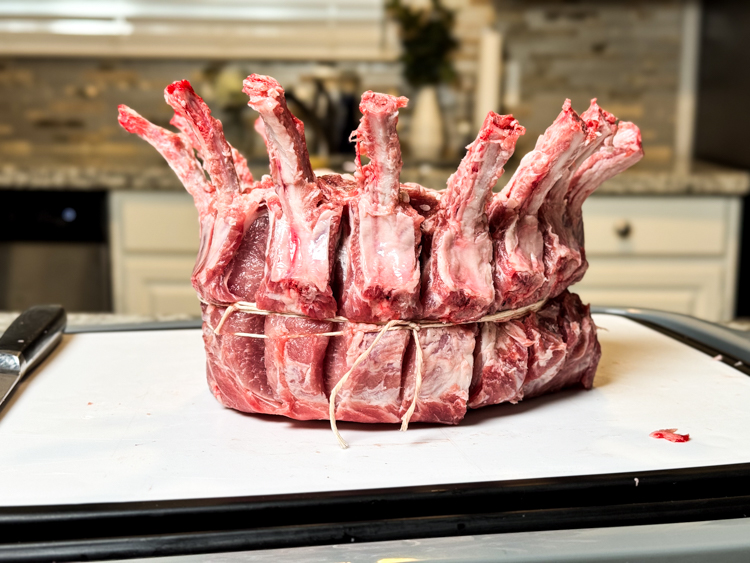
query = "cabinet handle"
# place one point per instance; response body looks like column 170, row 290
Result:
column 623, row 229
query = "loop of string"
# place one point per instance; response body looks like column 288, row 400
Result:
column 413, row 325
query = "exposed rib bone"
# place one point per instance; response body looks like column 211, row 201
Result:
column 380, row 272
column 303, row 227
column 244, row 174
column 519, row 246
column 208, row 132
column 457, row 281
column 175, row 151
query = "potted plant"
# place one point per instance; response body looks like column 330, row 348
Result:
column 426, row 36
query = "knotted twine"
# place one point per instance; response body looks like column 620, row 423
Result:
column 414, row 326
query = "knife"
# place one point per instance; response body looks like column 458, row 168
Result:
column 26, row 342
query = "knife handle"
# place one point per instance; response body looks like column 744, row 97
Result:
column 30, row 337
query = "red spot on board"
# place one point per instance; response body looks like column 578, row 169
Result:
column 670, row 434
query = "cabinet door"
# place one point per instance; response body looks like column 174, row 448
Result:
column 691, row 287
column 159, row 286
column 154, row 242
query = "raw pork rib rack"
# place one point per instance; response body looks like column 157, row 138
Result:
column 322, row 263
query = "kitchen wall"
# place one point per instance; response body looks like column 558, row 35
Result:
column 627, row 54
column 62, row 111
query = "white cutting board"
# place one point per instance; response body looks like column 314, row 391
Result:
column 127, row 416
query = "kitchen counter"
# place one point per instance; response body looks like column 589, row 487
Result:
column 98, row 319
column 704, row 180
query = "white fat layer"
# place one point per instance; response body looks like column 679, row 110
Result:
column 488, row 337
column 387, row 250
column 221, row 232
column 292, row 238
column 465, row 263
column 448, row 362
column 386, row 357
column 524, row 244
column 300, row 377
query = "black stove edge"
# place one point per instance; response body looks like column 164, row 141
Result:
column 181, row 527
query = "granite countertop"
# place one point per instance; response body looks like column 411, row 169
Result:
column 99, row 319
column 705, row 179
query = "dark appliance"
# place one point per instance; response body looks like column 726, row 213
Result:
column 53, row 249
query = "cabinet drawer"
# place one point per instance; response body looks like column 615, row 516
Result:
column 153, row 222
column 655, row 226
column 692, row 287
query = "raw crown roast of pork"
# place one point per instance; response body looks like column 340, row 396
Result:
column 371, row 249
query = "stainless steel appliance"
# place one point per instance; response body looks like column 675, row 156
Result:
column 53, row 249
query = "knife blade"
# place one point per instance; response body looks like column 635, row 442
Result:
column 26, row 342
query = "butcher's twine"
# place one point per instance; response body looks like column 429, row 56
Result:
column 414, row 326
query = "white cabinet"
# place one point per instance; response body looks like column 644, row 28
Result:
column 154, row 242
column 672, row 253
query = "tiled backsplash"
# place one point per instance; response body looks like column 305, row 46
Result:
column 63, row 111
column 626, row 54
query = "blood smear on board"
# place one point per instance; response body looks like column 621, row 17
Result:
column 670, row 434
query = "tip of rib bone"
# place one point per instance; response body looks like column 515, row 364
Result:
column 628, row 137
column 374, row 102
column 259, row 87
column 178, row 89
column 131, row 120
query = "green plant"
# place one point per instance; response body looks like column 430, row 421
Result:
column 427, row 40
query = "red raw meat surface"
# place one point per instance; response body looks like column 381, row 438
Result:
column 373, row 249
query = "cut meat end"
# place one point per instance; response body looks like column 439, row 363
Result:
column 519, row 273
column 446, row 374
column 235, row 368
column 583, row 348
column 457, row 284
column 294, row 360
column 372, row 393
column 547, row 352
column 382, row 242
column 501, row 362
column 541, row 353
column 303, row 226
column 565, row 350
